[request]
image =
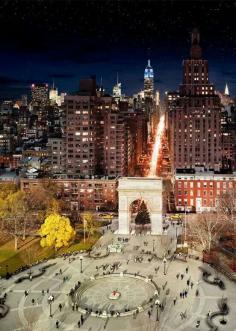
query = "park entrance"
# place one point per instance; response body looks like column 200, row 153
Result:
column 148, row 191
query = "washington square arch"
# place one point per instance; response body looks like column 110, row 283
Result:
column 147, row 189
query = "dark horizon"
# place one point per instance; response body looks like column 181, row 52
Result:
column 68, row 40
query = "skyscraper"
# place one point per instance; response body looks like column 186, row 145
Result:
column 39, row 93
column 194, row 116
column 117, row 90
column 148, row 81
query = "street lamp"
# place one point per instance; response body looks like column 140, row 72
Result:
column 50, row 301
column 164, row 262
column 81, row 264
column 153, row 245
column 157, row 303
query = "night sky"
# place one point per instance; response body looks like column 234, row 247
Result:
column 69, row 40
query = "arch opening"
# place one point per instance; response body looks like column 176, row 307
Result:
column 140, row 219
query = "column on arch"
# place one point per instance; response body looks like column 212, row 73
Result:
column 124, row 214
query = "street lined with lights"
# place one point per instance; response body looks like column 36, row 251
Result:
column 157, row 147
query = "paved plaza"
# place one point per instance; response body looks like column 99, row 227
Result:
column 147, row 299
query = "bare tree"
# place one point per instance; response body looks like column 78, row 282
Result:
column 227, row 206
column 205, row 229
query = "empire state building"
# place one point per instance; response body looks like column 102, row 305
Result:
column 148, row 81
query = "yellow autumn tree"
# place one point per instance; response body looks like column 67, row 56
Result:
column 56, row 231
column 91, row 225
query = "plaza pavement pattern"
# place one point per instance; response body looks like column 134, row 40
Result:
column 27, row 315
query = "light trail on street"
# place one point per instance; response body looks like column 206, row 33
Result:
column 157, row 147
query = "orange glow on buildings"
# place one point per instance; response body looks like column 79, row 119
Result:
column 157, row 147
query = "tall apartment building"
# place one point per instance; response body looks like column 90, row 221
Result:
column 56, row 155
column 80, row 135
column 95, row 135
column 194, row 115
column 39, row 95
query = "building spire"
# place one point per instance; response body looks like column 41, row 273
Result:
column 195, row 51
column 226, row 89
column 149, row 63
column 117, row 78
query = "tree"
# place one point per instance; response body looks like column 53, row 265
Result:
column 227, row 206
column 13, row 212
column 143, row 216
column 90, row 223
column 56, row 231
column 205, row 230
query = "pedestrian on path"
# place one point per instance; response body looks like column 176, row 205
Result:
column 78, row 324
column 60, row 306
column 175, row 299
column 186, row 270
column 198, row 324
column 197, row 293
column 33, row 301
column 57, row 324
column 182, row 276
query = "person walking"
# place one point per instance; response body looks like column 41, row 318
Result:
column 174, row 301
column 78, row 324
column 186, row 270
column 60, row 307
column 57, row 324
column 198, row 324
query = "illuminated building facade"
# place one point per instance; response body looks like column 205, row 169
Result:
column 194, row 116
column 148, row 82
column 117, row 91
column 200, row 191
column 39, row 93
column 96, row 136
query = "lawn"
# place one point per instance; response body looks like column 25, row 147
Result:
column 30, row 252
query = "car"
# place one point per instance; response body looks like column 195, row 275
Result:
column 176, row 217
column 106, row 216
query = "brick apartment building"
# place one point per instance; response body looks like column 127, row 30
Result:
column 200, row 191
column 81, row 194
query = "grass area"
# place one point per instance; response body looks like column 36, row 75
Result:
column 30, row 252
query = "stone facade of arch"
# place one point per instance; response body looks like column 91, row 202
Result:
column 147, row 189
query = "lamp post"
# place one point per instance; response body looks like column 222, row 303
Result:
column 164, row 262
column 153, row 245
column 157, row 303
column 81, row 264
column 50, row 301
column 185, row 223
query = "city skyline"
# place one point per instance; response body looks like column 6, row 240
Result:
column 48, row 47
